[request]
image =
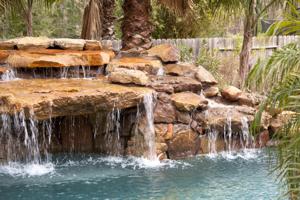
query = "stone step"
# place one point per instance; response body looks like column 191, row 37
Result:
column 54, row 58
column 61, row 97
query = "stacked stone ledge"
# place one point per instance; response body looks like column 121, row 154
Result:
column 185, row 92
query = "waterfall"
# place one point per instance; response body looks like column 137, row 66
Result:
column 212, row 138
column 8, row 75
column 21, row 137
column 247, row 138
column 150, row 131
column 112, row 132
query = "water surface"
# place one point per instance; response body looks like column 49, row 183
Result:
column 243, row 176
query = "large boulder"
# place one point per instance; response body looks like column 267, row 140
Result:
column 171, row 84
column 187, row 70
column 188, row 101
column 250, row 99
column 205, row 76
column 219, row 118
column 164, row 111
column 166, row 52
column 69, row 44
column 126, row 76
column 145, row 64
column 61, row 97
column 211, row 92
column 183, row 144
column 231, row 93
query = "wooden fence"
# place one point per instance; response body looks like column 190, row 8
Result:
column 269, row 44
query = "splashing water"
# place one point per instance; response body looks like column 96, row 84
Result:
column 160, row 71
column 150, row 131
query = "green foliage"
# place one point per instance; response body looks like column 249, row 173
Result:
column 280, row 77
column 186, row 53
column 290, row 24
column 61, row 19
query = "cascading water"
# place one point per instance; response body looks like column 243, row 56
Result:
column 247, row 140
column 21, row 137
column 150, row 131
column 8, row 75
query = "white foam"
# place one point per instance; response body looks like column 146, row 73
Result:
column 18, row 169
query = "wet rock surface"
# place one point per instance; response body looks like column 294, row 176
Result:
column 110, row 115
column 60, row 97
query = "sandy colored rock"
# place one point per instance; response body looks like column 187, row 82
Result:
column 166, row 52
column 188, row 101
column 56, row 58
column 250, row 99
column 171, row 84
column 7, row 44
column 231, row 93
column 33, row 43
column 62, row 97
column 126, row 76
column 92, row 45
column 205, row 76
column 187, row 70
column 149, row 65
column 69, row 44
column 211, row 92
column 185, row 143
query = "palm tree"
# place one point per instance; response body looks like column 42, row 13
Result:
column 92, row 20
column 136, row 25
column 108, row 20
column 24, row 8
column 280, row 77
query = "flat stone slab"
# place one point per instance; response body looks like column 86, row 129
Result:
column 48, row 58
column 62, row 97
column 145, row 64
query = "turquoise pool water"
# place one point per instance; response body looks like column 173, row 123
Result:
column 243, row 176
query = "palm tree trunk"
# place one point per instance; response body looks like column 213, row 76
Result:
column 136, row 26
column 28, row 18
column 92, row 21
column 108, row 20
column 249, row 26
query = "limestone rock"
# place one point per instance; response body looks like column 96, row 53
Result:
column 8, row 44
column 164, row 131
column 211, row 92
column 249, row 99
column 33, row 43
column 145, row 64
column 231, row 93
column 183, row 117
column 166, row 52
column 185, row 143
column 164, row 111
column 188, row 101
column 92, row 45
column 69, row 44
column 219, row 117
column 171, row 84
column 126, row 76
column 56, row 58
column 62, row 97
column 205, row 76
column 187, row 70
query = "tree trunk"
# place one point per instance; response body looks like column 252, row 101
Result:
column 92, row 21
column 249, row 26
column 108, row 20
column 28, row 17
column 136, row 26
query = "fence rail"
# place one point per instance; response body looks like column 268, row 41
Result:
column 222, row 44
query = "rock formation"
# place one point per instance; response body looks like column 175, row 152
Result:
column 109, row 112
